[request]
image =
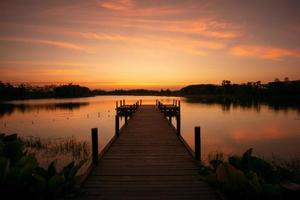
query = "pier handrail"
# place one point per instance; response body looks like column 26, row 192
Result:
column 173, row 110
column 127, row 111
column 121, row 110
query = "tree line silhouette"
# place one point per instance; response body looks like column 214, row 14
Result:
column 253, row 90
column 26, row 91
column 256, row 89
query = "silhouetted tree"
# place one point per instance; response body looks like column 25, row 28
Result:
column 71, row 90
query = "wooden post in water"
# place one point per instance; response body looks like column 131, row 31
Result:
column 197, row 143
column 123, row 102
column 120, row 102
column 178, row 127
column 95, row 145
column 117, row 126
column 130, row 111
column 140, row 101
column 126, row 120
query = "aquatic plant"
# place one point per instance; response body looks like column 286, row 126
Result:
column 54, row 147
column 250, row 177
column 22, row 177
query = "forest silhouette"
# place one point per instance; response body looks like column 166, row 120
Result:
column 228, row 90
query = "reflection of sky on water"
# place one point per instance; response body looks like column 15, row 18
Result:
column 234, row 130
column 230, row 128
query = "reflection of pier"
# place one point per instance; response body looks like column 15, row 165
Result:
column 147, row 158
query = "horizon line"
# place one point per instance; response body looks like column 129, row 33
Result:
column 109, row 86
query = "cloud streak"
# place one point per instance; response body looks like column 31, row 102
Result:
column 166, row 18
column 41, row 63
column 117, row 5
column 178, row 43
column 131, row 8
column 55, row 43
column 209, row 28
column 264, row 52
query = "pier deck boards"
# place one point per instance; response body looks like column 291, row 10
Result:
column 147, row 161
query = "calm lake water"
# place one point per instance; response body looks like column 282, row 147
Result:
column 60, row 128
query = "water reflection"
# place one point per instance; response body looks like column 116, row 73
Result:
column 230, row 104
column 231, row 128
column 227, row 126
column 10, row 108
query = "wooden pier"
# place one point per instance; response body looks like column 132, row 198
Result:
column 147, row 159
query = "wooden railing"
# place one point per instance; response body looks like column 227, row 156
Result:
column 125, row 110
column 173, row 110
column 170, row 111
column 122, row 110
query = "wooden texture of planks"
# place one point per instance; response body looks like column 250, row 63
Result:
column 147, row 161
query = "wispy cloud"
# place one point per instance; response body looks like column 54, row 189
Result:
column 117, row 5
column 136, row 16
column 264, row 52
column 203, row 27
column 40, row 74
column 178, row 43
column 60, row 44
column 41, row 63
column 131, row 8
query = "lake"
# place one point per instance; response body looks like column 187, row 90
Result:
column 60, row 128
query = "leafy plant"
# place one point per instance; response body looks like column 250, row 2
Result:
column 250, row 177
column 21, row 176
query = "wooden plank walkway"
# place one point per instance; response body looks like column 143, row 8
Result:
column 147, row 161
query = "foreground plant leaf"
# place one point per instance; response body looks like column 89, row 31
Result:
column 230, row 177
column 4, row 167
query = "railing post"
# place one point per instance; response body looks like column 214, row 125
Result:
column 178, row 123
column 95, row 145
column 120, row 102
column 117, row 126
column 170, row 119
column 117, row 105
column 197, row 143
column 130, row 111
column 123, row 102
column 140, row 101
column 126, row 120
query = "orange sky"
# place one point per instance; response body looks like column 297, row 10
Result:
column 150, row 44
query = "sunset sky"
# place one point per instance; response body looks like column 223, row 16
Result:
column 148, row 43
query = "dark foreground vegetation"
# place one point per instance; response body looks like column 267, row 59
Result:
column 276, row 90
column 238, row 177
column 257, row 90
column 25, row 91
column 21, row 177
column 250, row 177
